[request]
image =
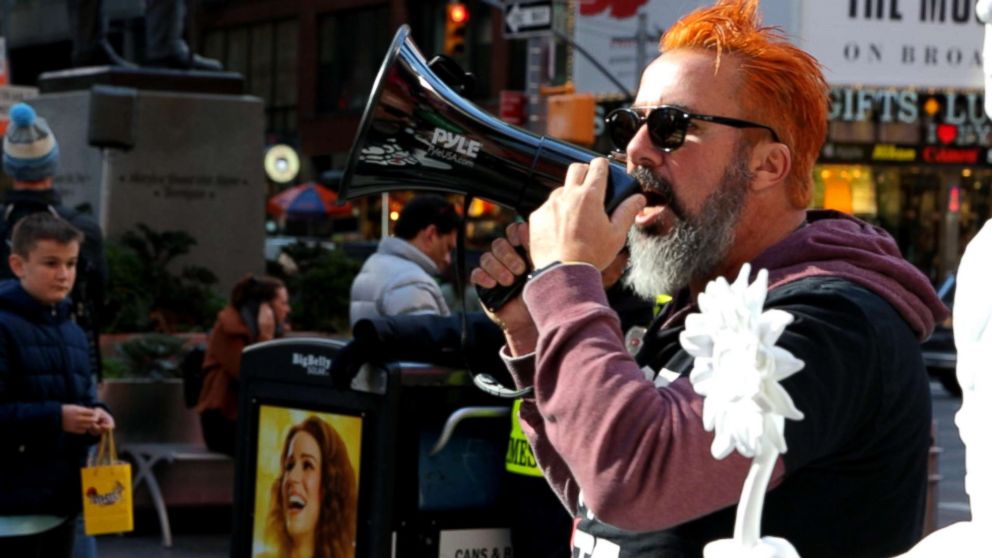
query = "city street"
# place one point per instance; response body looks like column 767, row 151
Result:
column 205, row 533
column 246, row 201
column 952, row 503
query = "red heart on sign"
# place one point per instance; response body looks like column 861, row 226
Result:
column 946, row 133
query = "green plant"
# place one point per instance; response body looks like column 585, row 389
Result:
column 114, row 368
column 153, row 355
column 321, row 290
column 145, row 294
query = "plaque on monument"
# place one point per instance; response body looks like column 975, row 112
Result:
column 171, row 149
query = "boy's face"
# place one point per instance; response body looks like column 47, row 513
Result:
column 49, row 270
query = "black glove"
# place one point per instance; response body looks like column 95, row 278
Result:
column 421, row 338
column 363, row 348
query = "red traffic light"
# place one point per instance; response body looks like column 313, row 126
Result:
column 455, row 29
column 457, row 13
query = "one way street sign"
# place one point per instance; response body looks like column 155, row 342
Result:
column 527, row 19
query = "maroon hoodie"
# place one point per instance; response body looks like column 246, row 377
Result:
column 637, row 451
column 839, row 245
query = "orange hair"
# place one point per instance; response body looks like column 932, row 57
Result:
column 781, row 83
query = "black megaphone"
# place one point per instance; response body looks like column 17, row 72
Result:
column 419, row 133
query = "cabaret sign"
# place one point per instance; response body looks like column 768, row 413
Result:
column 919, row 43
column 950, row 155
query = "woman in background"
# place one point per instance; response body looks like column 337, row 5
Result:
column 314, row 500
column 257, row 312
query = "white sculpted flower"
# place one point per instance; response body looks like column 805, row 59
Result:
column 738, row 367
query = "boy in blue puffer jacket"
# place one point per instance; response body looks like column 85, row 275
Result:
column 49, row 415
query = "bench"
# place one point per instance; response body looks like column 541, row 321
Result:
column 162, row 440
column 146, row 456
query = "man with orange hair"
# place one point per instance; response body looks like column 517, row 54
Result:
column 722, row 137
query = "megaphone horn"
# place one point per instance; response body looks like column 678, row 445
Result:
column 418, row 133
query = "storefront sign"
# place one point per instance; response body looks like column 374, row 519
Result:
column 511, row 106
column 848, row 104
column 953, row 118
column 951, row 155
column 893, row 43
column 893, row 153
column 873, row 43
column 844, row 153
column 959, row 119
column 885, row 153
column 475, row 543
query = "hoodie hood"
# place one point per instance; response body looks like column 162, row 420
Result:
column 15, row 299
column 18, row 204
column 48, row 196
column 838, row 245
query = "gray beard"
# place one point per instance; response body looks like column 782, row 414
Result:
column 696, row 245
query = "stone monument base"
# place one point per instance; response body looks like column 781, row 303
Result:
column 190, row 158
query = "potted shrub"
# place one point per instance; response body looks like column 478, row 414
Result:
column 153, row 317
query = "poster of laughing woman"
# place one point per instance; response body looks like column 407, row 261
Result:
column 306, row 484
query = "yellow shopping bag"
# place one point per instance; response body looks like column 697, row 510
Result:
column 107, row 506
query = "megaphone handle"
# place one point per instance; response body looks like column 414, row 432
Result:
column 620, row 187
column 495, row 298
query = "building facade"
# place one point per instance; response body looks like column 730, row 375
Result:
column 314, row 62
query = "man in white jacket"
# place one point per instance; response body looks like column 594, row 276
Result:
column 399, row 278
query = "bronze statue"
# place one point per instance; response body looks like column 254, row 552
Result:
column 165, row 47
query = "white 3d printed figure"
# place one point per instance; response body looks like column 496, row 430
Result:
column 737, row 369
column 973, row 339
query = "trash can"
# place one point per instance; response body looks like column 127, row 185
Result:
column 410, row 458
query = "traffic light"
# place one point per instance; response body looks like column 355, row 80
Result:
column 454, row 29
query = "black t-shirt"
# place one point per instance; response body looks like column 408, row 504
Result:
column 856, row 465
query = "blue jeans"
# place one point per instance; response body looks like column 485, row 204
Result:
column 85, row 545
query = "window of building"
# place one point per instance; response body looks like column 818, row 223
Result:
column 265, row 53
column 346, row 71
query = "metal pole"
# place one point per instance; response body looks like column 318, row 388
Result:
column 104, row 205
column 535, row 77
column 642, row 39
column 384, row 221
column 563, row 37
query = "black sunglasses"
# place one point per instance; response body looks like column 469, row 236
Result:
column 666, row 125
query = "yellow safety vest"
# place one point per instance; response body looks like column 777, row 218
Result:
column 519, row 459
column 660, row 301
